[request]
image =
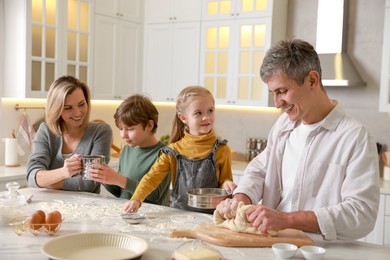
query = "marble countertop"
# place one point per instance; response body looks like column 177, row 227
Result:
column 238, row 167
column 86, row 212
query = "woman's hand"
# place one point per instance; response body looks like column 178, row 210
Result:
column 132, row 206
column 72, row 166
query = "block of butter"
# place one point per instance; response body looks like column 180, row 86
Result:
column 196, row 250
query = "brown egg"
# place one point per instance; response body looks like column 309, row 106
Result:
column 53, row 219
column 35, row 221
column 41, row 213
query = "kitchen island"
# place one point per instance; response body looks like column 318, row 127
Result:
column 86, row 212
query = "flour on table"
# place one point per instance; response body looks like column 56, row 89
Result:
column 239, row 223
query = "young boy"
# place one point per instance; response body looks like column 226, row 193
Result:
column 136, row 117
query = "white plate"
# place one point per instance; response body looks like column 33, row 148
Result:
column 95, row 246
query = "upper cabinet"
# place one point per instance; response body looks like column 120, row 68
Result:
column 384, row 102
column 45, row 39
column 167, row 11
column 130, row 10
column 228, row 9
column 233, row 46
column 172, row 42
column 117, row 48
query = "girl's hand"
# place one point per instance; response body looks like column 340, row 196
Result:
column 132, row 206
column 229, row 186
column 72, row 166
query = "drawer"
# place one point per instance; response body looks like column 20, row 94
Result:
column 386, row 230
column 387, row 205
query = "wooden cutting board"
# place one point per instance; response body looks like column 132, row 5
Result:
column 225, row 237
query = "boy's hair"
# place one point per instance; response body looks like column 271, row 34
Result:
column 184, row 98
column 136, row 109
column 59, row 90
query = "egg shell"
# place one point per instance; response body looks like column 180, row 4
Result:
column 53, row 219
column 42, row 213
column 35, row 221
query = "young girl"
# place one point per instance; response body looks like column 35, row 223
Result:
column 66, row 134
column 195, row 157
column 136, row 117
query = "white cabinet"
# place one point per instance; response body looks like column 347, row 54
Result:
column 117, row 48
column 233, row 47
column 226, row 9
column 44, row 40
column 386, row 228
column 167, row 11
column 384, row 97
column 171, row 60
column 130, row 10
column 381, row 233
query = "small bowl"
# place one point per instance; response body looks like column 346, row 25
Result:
column 284, row 250
column 312, row 252
column 133, row 218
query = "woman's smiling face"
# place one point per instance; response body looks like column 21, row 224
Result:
column 75, row 109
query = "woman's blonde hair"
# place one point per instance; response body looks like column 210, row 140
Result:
column 59, row 90
column 184, row 98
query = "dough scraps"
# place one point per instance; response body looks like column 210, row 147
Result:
column 239, row 223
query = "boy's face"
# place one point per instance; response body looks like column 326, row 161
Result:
column 137, row 135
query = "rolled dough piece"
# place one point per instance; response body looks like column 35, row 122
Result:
column 239, row 223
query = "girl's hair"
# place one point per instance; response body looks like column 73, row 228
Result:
column 59, row 90
column 184, row 98
column 136, row 109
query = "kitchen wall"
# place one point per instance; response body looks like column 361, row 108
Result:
column 364, row 46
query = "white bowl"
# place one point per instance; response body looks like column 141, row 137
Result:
column 284, row 250
column 99, row 245
column 312, row 252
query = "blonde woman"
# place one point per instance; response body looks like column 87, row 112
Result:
column 195, row 157
column 66, row 135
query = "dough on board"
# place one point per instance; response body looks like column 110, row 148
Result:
column 239, row 223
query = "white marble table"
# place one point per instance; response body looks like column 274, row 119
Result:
column 85, row 212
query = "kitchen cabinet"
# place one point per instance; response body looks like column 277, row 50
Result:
column 44, row 40
column 384, row 97
column 130, row 10
column 227, row 9
column 117, row 47
column 12, row 174
column 232, row 50
column 171, row 11
column 171, row 51
column 381, row 233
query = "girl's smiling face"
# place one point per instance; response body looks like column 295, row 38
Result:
column 199, row 116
